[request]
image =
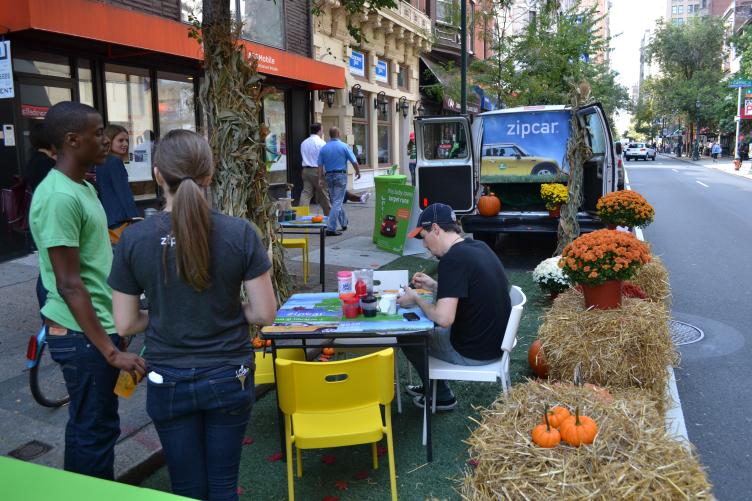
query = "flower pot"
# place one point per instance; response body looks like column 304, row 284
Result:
column 554, row 212
column 611, row 226
column 606, row 296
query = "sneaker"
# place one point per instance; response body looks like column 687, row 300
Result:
column 365, row 196
column 414, row 390
column 441, row 405
column 330, row 233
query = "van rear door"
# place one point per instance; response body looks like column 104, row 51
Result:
column 444, row 165
column 600, row 176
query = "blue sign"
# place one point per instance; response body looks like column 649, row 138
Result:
column 525, row 146
column 382, row 71
column 740, row 83
column 357, row 63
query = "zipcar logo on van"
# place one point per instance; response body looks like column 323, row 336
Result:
column 526, row 129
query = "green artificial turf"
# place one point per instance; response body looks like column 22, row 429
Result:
column 262, row 479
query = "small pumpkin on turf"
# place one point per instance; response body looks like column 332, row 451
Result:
column 328, row 351
column 489, row 204
column 537, row 359
column 556, row 416
column 257, row 342
column 577, row 430
column 544, row 435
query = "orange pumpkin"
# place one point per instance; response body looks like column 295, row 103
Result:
column 544, row 435
column 537, row 359
column 328, row 351
column 489, row 205
column 257, row 342
column 600, row 392
column 556, row 416
column 317, row 219
column 577, row 430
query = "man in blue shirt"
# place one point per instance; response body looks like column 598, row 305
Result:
column 333, row 159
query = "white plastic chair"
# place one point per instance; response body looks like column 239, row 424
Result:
column 498, row 369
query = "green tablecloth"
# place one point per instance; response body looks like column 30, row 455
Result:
column 24, row 481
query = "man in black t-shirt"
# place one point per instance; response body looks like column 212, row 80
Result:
column 472, row 303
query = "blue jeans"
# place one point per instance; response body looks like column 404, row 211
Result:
column 439, row 347
column 200, row 416
column 411, row 166
column 337, row 184
column 93, row 422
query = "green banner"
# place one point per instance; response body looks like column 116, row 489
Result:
column 393, row 206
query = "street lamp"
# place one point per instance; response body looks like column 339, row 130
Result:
column 417, row 109
column 696, row 147
column 380, row 102
column 357, row 98
column 403, row 106
column 327, row 96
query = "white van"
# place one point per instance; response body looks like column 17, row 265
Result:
column 512, row 152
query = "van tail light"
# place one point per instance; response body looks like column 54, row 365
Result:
column 425, row 201
column 619, row 162
column 31, row 348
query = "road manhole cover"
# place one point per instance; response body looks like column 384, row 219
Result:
column 684, row 333
column 30, row 450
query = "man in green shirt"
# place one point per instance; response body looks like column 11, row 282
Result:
column 69, row 227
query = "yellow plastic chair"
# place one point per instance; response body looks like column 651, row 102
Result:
column 335, row 404
column 264, row 373
column 299, row 243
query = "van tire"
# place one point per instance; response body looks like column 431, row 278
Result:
column 544, row 168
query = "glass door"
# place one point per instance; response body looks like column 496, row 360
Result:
column 35, row 99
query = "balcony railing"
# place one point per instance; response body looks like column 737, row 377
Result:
column 412, row 14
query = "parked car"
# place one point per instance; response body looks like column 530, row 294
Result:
column 511, row 159
column 639, row 150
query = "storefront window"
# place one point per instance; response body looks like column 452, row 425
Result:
column 263, row 21
column 176, row 103
column 128, row 92
column 85, row 85
column 360, row 132
column 40, row 63
column 276, row 139
column 384, row 134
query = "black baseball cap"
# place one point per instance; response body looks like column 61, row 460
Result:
column 434, row 213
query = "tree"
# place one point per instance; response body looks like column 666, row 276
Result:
column 689, row 57
column 557, row 48
column 231, row 95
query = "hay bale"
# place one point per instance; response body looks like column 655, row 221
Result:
column 626, row 347
column 632, row 456
column 653, row 280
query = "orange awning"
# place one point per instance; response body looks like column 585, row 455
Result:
column 111, row 24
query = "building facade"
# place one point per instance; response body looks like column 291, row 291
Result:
column 375, row 109
column 681, row 11
column 134, row 62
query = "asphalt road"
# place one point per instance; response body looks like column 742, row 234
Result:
column 703, row 232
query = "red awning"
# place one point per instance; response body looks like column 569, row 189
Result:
column 111, row 24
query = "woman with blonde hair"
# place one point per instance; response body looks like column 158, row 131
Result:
column 112, row 184
column 191, row 262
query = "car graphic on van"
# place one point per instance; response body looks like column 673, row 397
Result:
column 511, row 159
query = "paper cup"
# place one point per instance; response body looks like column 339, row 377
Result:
column 388, row 304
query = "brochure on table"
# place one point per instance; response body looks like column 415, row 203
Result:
column 322, row 312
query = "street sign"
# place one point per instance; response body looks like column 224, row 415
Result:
column 740, row 83
column 6, row 71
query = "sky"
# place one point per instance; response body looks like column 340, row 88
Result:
column 629, row 20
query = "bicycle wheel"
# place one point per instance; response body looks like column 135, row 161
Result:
column 46, row 381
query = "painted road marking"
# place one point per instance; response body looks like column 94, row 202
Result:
column 702, row 184
column 674, row 170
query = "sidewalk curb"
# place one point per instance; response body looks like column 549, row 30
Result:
column 674, row 419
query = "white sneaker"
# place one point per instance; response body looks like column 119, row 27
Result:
column 365, row 196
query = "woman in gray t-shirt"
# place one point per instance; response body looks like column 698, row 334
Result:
column 191, row 263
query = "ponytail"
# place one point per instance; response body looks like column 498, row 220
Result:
column 183, row 158
column 190, row 227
